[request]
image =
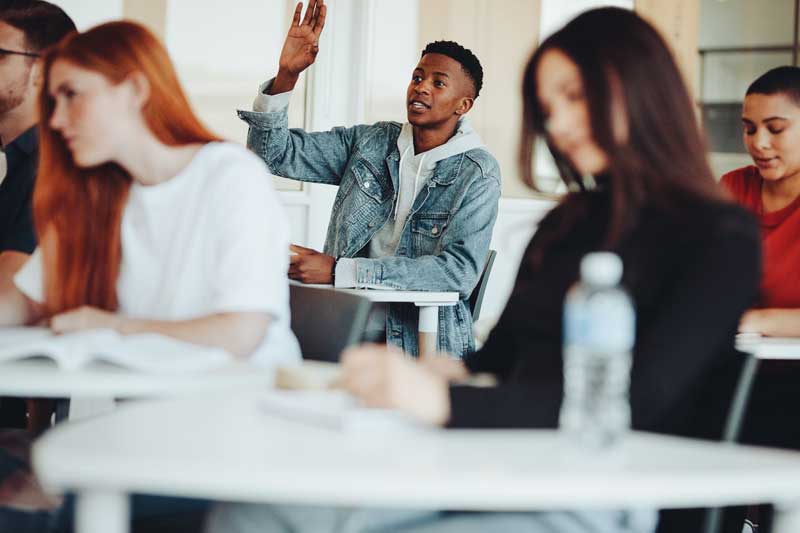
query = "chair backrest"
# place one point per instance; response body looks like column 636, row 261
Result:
column 476, row 298
column 326, row 321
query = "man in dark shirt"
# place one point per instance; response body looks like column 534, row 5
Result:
column 26, row 28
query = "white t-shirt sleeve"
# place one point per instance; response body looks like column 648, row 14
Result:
column 30, row 278
column 249, row 270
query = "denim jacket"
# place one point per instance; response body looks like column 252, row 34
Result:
column 445, row 240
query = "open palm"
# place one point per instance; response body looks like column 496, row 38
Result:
column 302, row 42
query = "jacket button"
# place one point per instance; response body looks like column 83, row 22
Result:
column 435, row 230
column 371, row 225
column 368, row 185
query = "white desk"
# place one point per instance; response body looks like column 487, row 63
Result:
column 94, row 388
column 785, row 348
column 227, row 448
column 428, row 303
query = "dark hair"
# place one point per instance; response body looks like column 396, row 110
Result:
column 469, row 62
column 780, row 80
column 43, row 23
column 626, row 67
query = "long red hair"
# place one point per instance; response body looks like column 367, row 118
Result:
column 78, row 211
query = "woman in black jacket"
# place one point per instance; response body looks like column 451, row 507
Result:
column 610, row 101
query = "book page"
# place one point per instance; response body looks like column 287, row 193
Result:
column 22, row 335
column 70, row 351
column 148, row 352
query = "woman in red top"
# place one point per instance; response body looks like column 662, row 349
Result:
column 771, row 190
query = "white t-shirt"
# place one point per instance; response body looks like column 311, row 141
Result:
column 212, row 239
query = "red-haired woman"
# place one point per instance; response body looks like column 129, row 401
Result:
column 147, row 223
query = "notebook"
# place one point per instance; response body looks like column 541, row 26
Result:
column 146, row 352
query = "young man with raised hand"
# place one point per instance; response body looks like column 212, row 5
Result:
column 416, row 202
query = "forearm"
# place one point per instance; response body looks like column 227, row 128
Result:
column 316, row 157
column 284, row 82
column 773, row 322
column 238, row 333
column 444, row 272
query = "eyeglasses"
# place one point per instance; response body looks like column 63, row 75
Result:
column 4, row 52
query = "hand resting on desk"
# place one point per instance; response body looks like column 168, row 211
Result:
column 384, row 377
column 771, row 322
column 310, row 266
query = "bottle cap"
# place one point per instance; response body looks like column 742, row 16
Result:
column 601, row 268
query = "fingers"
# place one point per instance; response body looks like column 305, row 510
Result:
column 312, row 5
column 297, row 10
column 320, row 22
column 301, row 249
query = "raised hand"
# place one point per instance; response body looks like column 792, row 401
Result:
column 301, row 45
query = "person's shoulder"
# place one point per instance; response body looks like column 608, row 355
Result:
column 388, row 126
column 484, row 162
column 376, row 140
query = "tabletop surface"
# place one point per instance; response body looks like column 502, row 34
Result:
column 769, row 347
column 381, row 295
column 251, row 447
column 44, row 379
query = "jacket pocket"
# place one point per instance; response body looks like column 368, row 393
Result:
column 427, row 229
column 368, row 182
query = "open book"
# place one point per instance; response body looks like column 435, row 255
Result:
column 148, row 352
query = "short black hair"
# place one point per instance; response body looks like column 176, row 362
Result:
column 44, row 24
column 780, row 80
column 469, row 62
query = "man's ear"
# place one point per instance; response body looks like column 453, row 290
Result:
column 140, row 88
column 36, row 75
column 465, row 105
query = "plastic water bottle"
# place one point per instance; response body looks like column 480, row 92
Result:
column 599, row 331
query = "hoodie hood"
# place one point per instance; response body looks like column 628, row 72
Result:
column 464, row 139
